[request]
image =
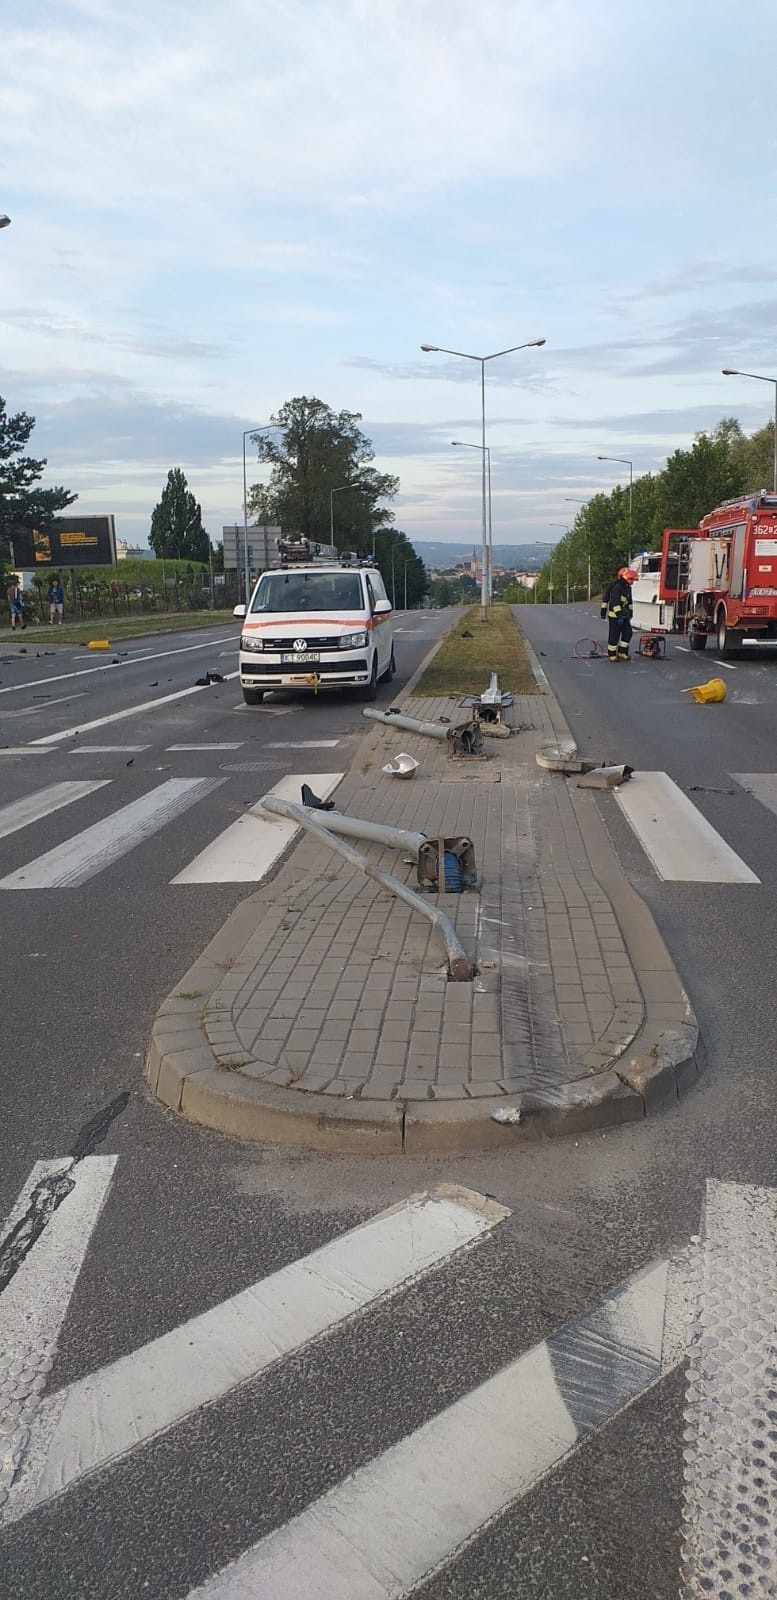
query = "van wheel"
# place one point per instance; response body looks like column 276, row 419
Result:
column 253, row 697
column 391, row 668
column 370, row 690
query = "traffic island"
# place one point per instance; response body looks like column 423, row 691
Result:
column 323, row 1014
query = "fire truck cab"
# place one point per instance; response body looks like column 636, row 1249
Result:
column 720, row 579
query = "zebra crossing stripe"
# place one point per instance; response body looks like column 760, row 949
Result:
column 78, row 859
column 34, row 807
column 378, row 1534
column 38, row 1282
column 245, row 852
column 682, row 845
column 104, row 1416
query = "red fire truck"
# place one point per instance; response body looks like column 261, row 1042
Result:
column 720, row 579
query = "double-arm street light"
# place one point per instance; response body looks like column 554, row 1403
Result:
column 490, row 565
column 248, row 433
column 332, row 493
column 5, row 222
column 573, row 500
column 624, row 460
column 465, row 355
column 732, row 372
column 566, row 530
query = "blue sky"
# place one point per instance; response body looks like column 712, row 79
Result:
column 216, row 207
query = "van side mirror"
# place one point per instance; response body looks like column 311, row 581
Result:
column 382, row 608
column 239, row 611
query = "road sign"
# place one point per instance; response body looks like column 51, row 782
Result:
column 262, row 547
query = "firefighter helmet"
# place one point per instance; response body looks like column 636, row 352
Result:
column 628, row 574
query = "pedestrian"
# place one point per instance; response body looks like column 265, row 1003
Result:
column 15, row 597
column 617, row 609
column 56, row 599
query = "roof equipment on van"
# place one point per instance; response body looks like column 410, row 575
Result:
column 309, row 553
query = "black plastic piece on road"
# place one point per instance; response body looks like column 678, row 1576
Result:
column 312, row 801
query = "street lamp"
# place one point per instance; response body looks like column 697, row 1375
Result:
column 624, row 460
column 464, row 355
column 5, row 222
column 573, row 500
column 566, row 530
column 332, row 494
column 731, row 372
column 466, row 446
column 408, row 563
column 247, row 434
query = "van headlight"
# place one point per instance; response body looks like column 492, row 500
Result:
column 353, row 641
column 249, row 641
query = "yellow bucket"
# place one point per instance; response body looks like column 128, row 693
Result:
column 707, row 694
column 99, row 644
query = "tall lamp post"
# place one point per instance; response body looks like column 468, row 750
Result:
column 732, row 372
column 465, row 355
column 573, row 500
column 466, row 446
column 332, row 494
column 5, row 222
column 566, row 530
column 407, row 564
column 624, row 460
column 248, row 434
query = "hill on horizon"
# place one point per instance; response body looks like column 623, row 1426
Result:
column 444, row 553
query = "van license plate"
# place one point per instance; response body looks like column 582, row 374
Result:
column 301, row 655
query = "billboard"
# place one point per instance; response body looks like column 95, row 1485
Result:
column 66, row 542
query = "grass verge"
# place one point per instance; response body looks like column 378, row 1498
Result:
column 113, row 628
column 464, row 664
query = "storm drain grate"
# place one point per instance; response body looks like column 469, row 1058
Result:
column 250, row 766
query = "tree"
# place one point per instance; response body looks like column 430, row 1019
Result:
column 176, row 522
column 320, row 451
column 694, row 481
column 23, row 504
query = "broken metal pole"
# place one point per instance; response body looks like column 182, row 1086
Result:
column 430, row 730
column 373, row 832
column 460, row 968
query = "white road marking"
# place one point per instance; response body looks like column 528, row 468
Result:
column 380, row 1532
column 762, row 785
column 129, row 711
column 729, row 665
column 267, row 711
column 110, row 666
column 237, row 746
column 21, row 750
column 31, row 711
column 682, row 845
column 109, row 1413
column 245, row 852
column 730, row 1508
column 684, row 648
column 33, row 807
column 34, row 1302
column 304, row 744
column 107, row 749
column 78, row 859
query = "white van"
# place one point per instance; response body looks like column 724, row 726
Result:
column 317, row 623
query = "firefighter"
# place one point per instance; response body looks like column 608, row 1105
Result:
column 617, row 608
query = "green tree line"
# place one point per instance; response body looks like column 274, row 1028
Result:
column 716, row 467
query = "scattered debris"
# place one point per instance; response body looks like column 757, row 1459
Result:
column 155, row 684
column 707, row 694
column 99, row 644
column 402, row 766
column 312, row 800
column 509, row 1114
column 702, row 788
column 562, row 758
column 129, row 763
column 465, row 634
column 205, row 683
column 605, row 777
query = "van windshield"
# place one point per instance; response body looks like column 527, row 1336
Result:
column 309, row 591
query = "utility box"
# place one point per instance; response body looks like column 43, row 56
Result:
column 708, row 565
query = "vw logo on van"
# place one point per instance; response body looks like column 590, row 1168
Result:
column 299, row 644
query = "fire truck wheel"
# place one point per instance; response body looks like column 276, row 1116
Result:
column 728, row 638
column 697, row 641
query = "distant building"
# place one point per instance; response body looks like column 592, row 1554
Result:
column 132, row 552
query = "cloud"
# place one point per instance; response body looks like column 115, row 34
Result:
column 163, row 346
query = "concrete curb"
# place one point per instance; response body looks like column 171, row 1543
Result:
column 657, row 1065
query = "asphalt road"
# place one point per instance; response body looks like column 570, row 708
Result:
column 192, row 1218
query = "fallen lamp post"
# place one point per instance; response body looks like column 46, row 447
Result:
column 460, row 967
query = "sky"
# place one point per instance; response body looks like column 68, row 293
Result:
column 217, row 207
